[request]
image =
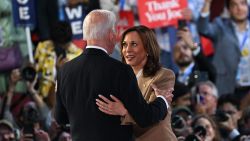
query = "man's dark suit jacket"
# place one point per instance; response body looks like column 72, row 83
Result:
column 79, row 83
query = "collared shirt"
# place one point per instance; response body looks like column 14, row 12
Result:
column 97, row 47
column 241, row 34
column 243, row 71
column 139, row 73
column 184, row 75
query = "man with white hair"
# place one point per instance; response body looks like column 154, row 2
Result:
column 94, row 73
column 206, row 97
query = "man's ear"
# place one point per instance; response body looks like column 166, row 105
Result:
column 112, row 35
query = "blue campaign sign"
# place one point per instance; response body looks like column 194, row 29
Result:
column 75, row 16
column 24, row 12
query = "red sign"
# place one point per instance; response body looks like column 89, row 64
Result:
column 207, row 46
column 126, row 20
column 158, row 13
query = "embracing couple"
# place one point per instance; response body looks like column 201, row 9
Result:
column 107, row 100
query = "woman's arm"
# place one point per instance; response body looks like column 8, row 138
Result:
column 116, row 107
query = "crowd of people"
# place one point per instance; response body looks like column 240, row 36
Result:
column 152, row 84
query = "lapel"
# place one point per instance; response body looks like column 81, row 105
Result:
column 145, row 82
column 235, row 39
column 144, row 85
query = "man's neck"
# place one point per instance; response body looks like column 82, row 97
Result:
column 97, row 43
column 241, row 25
column 182, row 69
column 186, row 69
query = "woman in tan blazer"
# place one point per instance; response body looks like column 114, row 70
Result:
column 141, row 51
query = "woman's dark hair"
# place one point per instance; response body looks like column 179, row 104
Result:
column 228, row 98
column 151, row 46
column 213, row 123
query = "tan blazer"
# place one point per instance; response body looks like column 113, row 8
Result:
column 161, row 131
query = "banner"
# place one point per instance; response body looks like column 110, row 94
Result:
column 75, row 16
column 159, row 13
column 24, row 12
column 126, row 20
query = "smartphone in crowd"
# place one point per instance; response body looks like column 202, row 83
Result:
column 182, row 24
column 28, row 131
column 199, row 99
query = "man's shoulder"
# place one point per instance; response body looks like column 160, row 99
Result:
column 164, row 72
column 104, row 62
column 223, row 22
column 117, row 64
column 71, row 66
column 72, row 62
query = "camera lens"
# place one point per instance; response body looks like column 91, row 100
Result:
column 177, row 122
column 191, row 138
column 221, row 116
column 29, row 73
column 200, row 131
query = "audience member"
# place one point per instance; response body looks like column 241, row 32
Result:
column 230, row 37
column 191, row 14
column 205, row 98
column 231, row 109
column 193, row 66
column 245, row 121
column 5, row 111
column 184, row 112
column 6, row 131
column 182, row 95
column 51, row 54
column 33, row 114
column 181, row 121
column 212, row 132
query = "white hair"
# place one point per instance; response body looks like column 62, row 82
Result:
column 212, row 86
column 98, row 23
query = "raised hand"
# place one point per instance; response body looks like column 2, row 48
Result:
column 42, row 135
column 109, row 107
column 187, row 13
column 206, row 6
column 31, row 86
column 208, row 1
column 228, row 124
column 186, row 36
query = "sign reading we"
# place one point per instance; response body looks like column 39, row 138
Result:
column 24, row 12
column 158, row 13
column 75, row 15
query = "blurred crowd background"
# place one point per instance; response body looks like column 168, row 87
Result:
column 212, row 90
